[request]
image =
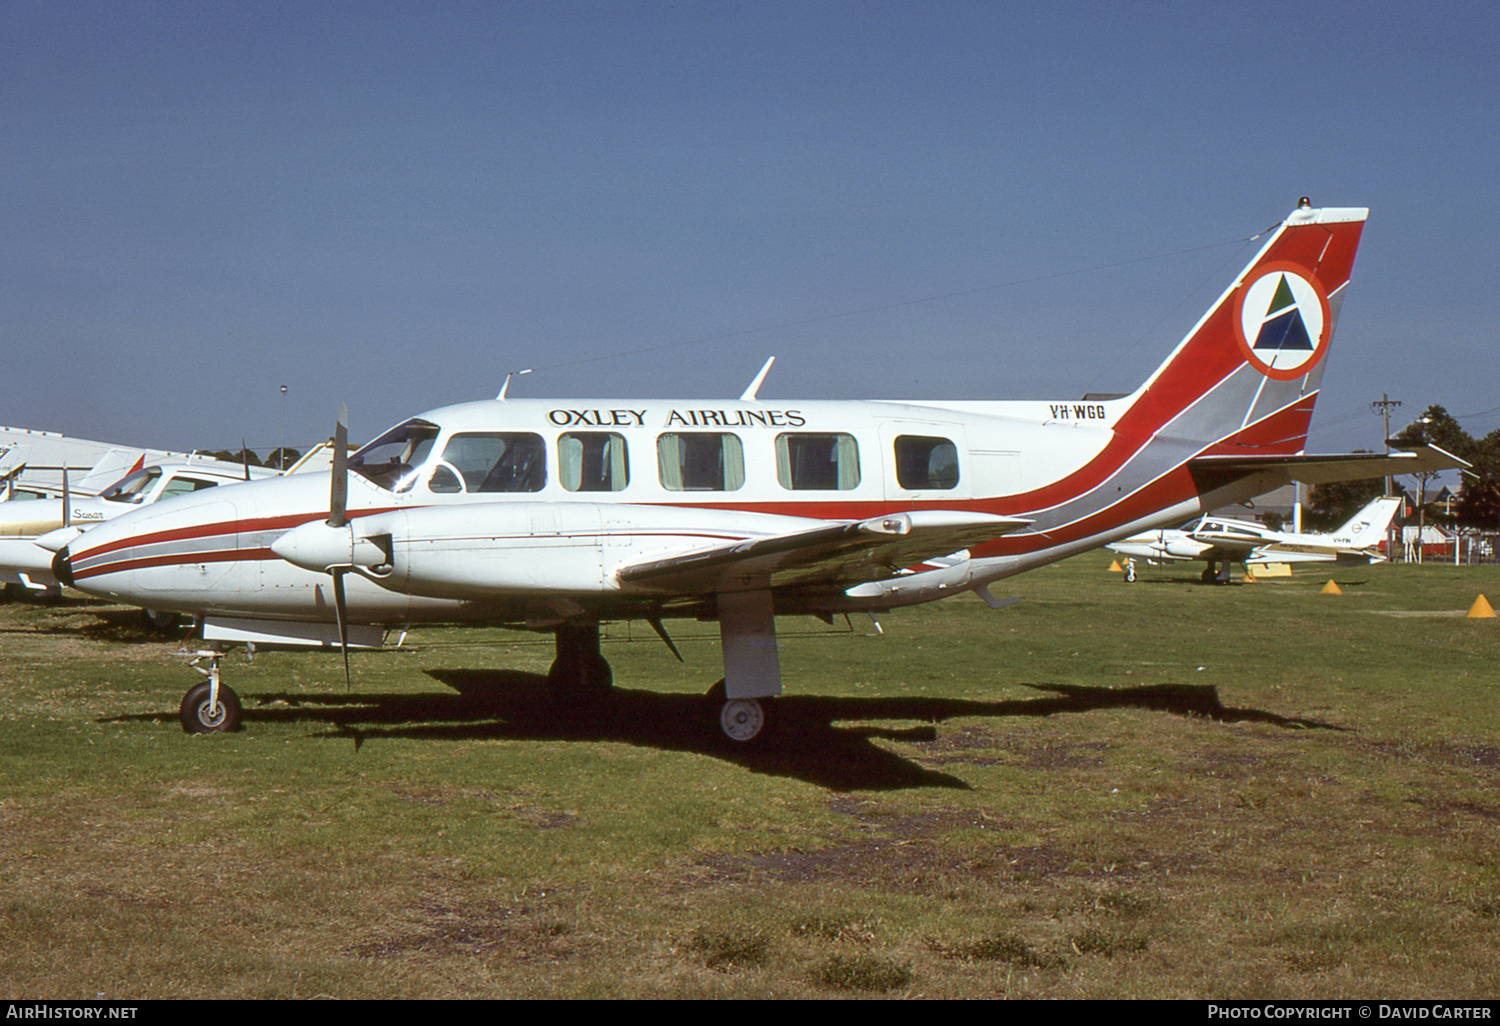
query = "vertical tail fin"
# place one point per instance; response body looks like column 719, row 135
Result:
column 1244, row 379
column 1367, row 527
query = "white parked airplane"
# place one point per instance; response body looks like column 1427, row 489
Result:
column 1222, row 542
column 26, row 562
column 32, row 463
column 557, row 516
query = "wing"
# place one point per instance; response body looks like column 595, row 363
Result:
column 837, row 555
column 1310, row 554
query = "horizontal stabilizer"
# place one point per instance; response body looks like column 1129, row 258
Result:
column 837, row 555
column 1326, row 469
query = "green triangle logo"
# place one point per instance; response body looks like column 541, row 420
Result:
column 1282, row 299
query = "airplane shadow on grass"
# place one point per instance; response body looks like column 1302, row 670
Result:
column 819, row 740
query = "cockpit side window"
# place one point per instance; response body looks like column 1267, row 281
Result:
column 133, row 487
column 390, row 459
column 492, row 462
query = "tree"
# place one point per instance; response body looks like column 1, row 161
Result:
column 1479, row 495
column 242, row 456
column 1479, row 505
column 1331, row 505
column 275, row 458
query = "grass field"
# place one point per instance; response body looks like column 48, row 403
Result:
column 1108, row 791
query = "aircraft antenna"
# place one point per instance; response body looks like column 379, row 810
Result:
column 748, row 396
column 506, row 384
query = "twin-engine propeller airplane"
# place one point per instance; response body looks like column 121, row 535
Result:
column 558, row 516
column 32, row 530
column 1222, row 542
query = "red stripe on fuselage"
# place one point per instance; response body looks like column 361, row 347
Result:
column 221, row 529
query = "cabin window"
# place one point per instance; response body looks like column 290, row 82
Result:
column 184, row 485
column 926, row 463
column 491, row 462
column 592, row 461
column 700, row 462
column 813, row 462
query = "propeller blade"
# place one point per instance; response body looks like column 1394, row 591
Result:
column 341, row 612
column 245, row 456
column 67, row 501
column 339, row 488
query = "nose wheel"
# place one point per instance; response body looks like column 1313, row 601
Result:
column 209, row 707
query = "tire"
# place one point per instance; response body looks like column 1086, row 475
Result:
column 743, row 720
column 198, row 718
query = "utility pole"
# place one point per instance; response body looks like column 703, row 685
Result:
column 1382, row 407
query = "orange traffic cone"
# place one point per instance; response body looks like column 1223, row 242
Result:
column 1481, row 608
column 1331, row 589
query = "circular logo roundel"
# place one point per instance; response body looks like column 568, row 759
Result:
column 1282, row 322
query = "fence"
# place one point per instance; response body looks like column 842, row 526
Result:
column 1477, row 548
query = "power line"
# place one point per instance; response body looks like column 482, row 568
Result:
column 888, row 306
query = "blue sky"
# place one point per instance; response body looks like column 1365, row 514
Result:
column 394, row 204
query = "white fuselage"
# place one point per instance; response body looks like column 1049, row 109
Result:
column 546, row 546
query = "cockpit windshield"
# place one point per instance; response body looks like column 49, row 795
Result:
column 132, row 487
column 390, row 459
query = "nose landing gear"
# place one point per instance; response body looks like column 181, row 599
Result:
column 209, row 707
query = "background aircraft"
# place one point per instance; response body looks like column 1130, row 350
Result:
column 1222, row 541
column 32, row 463
column 557, row 516
column 26, row 564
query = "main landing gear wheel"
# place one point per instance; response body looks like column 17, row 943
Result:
column 742, row 719
column 200, row 716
